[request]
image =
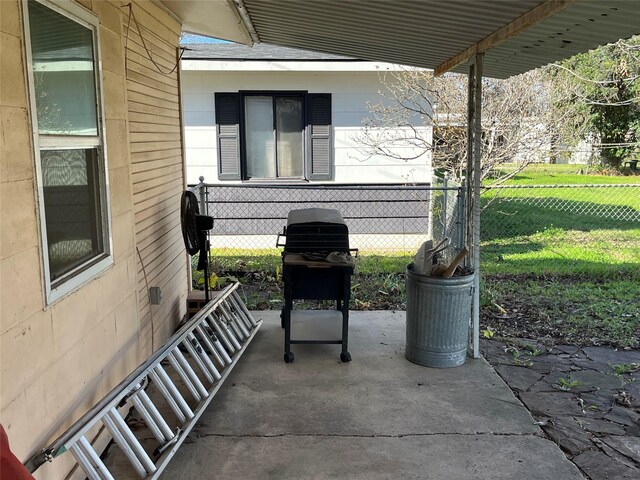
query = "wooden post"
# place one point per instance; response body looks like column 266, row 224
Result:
column 474, row 184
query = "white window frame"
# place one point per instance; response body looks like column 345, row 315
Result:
column 81, row 274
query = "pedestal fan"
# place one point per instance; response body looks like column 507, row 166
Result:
column 194, row 233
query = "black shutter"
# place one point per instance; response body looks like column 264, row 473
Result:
column 228, row 135
column 320, row 142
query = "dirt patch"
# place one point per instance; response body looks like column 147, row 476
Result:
column 517, row 317
column 368, row 292
column 578, row 310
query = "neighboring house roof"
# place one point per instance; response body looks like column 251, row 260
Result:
column 259, row 52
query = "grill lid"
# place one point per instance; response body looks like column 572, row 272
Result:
column 315, row 215
column 316, row 230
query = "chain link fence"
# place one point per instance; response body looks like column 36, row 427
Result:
column 524, row 228
column 530, row 230
column 384, row 220
column 561, row 228
column 448, row 214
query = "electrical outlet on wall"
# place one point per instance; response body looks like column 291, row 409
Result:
column 155, row 295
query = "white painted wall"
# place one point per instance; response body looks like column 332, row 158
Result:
column 351, row 90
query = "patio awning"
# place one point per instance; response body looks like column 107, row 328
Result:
column 212, row 18
column 516, row 36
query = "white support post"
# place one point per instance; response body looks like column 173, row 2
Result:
column 474, row 186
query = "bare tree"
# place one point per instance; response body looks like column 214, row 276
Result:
column 599, row 93
column 517, row 121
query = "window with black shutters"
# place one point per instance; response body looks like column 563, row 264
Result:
column 274, row 136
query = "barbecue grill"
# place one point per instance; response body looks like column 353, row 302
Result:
column 316, row 230
column 316, row 265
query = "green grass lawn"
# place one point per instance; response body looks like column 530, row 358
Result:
column 563, row 263
column 546, row 174
column 561, row 230
column 555, row 251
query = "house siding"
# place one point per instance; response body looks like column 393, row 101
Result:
column 350, row 93
column 157, row 171
column 59, row 360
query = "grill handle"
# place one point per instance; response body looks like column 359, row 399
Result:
column 280, row 236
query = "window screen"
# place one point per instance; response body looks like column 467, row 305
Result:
column 64, row 84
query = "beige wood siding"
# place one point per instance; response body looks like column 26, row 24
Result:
column 157, row 177
column 58, row 360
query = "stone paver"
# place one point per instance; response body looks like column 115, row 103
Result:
column 627, row 446
column 600, row 465
column 520, row 378
column 587, row 407
column 567, row 433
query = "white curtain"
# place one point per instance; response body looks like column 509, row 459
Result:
column 289, row 134
column 260, row 137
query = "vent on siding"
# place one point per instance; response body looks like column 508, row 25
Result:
column 320, row 129
column 320, row 156
column 229, row 158
column 228, row 129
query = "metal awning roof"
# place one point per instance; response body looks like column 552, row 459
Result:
column 259, row 52
column 516, row 36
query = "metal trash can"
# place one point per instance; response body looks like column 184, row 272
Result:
column 438, row 315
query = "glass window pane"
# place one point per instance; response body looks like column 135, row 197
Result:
column 71, row 204
column 63, row 72
column 289, row 127
column 259, row 137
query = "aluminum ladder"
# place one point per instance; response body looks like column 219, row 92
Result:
column 189, row 368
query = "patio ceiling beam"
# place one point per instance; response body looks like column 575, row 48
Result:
column 240, row 10
column 545, row 10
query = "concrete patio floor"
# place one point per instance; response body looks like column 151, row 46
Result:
column 376, row 417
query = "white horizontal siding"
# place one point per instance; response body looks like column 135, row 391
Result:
column 199, row 119
column 201, row 137
column 351, row 94
column 197, row 102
